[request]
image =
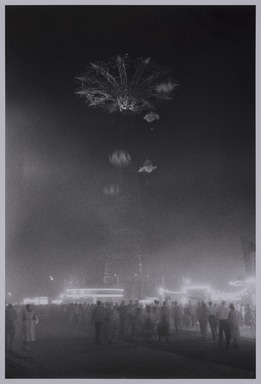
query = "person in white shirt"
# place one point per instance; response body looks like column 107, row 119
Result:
column 224, row 327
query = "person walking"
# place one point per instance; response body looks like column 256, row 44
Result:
column 234, row 320
column 97, row 318
column 10, row 318
column 224, row 327
column 28, row 328
column 212, row 319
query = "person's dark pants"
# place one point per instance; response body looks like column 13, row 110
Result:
column 224, row 328
column 213, row 325
column 97, row 325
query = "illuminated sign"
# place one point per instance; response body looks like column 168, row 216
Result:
column 42, row 300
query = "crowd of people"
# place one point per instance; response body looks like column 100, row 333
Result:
column 154, row 322
column 129, row 321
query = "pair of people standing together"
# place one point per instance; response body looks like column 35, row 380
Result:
column 29, row 320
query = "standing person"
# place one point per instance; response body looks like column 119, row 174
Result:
column 129, row 321
column 240, row 314
column 192, row 314
column 115, row 323
column 76, row 314
column 249, row 316
column 106, row 330
column 138, row 322
column 212, row 319
column 181, row 315
column 122, row 309
column 163, row 326
column 203, row 319
column 155, row 321
column 234, row 320
column 97, row 317
column 186, row 320
column 176, row 316
column 147, row 324
column 71, row 312
column 217, row 325
column 28, row 328
column 10, row 318
column 224, row 327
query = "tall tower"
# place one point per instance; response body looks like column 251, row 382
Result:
column 124, row 259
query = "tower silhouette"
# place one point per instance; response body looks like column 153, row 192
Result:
column 124, row 259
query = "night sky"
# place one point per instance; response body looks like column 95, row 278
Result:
column 199, row 200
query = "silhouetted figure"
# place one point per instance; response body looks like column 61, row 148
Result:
column 224, row 327
column 249, row 317
column 97, row 318
column 148, row 325
column 234, row 320
column 176, row 316
column 203, row 319
column 163, row 327
column 10, row 318
column 122, row 310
